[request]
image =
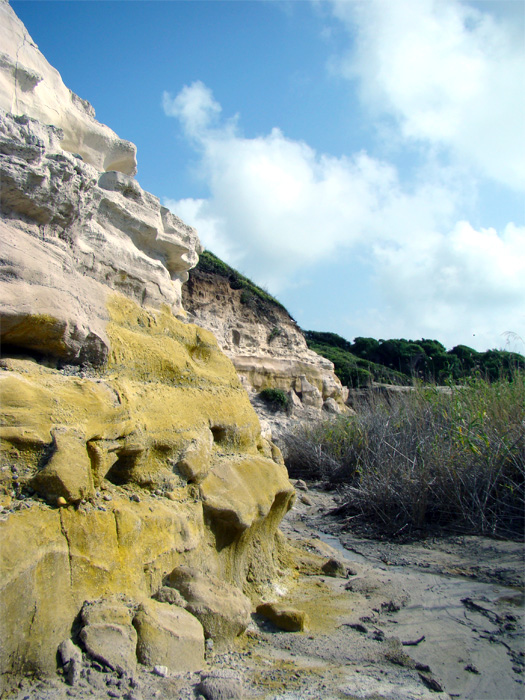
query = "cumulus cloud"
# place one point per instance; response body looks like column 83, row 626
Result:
column 463, row 283
column 278, row 209
column 277, row 205
column 448, row 74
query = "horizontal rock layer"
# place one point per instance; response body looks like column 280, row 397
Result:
column 264, row 343
column 69, row 236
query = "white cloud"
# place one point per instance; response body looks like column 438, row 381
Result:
column 458, row 283
column 450, row 75
column 278, row 209
column 277, row 206
column 194, row 106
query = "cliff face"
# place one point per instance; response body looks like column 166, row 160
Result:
column 30, row 85
column 264, row 343
column 129, row 446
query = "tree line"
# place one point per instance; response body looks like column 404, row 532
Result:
column 400, row 361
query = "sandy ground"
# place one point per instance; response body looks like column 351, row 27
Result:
column 443, row 618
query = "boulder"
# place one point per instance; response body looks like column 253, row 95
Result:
column 113, row 645
column 169, row 636
column 331, row 406
column 222, row 684
column 335, row 567
column 222, row 609
column 108, row 635
column 284, row 617
column 107, row 610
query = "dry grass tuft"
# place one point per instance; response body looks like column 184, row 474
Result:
column 429, row 457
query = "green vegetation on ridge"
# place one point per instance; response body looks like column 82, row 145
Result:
column 210, row 263
column 400, row 361
column 367, row 360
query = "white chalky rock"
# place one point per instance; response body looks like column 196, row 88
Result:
column 30, row 85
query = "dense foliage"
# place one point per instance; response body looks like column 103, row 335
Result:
column 276, row 399
column 399, row 361
column 452, row 457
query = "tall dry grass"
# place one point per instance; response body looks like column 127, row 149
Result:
column 454, row 458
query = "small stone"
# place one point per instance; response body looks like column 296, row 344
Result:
column 301, row 485
column 61, row 502
column 135, row 497
column 107, row 497
column 334, row 567
column 161, row 671
column 171, row 496
column 73, row 672
column 287, row 619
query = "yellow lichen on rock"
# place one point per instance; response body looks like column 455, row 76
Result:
column 159, row 458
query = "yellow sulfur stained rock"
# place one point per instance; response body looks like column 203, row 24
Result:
column 109, row 402
column 166, row 387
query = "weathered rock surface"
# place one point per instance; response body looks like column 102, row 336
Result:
column 221, row 685
column 69, row 237
column 131, row 421
column 221, row 608
column 284, row 617
column 108, row 635
column 264, row 343
column 169, row 636
column 29, row 85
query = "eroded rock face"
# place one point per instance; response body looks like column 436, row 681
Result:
column 264, row 343
column 69, row 236
column 128, row 444
column 123, row 431
column 221, row 608
column 30, row 86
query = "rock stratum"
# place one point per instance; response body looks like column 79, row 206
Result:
column 265, row 344
column 130, row 452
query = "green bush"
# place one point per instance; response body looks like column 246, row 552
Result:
column 399, row 361
column 453, row 458
column 276, row 399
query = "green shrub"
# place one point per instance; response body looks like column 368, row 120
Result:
column 452, row 458
column 399, row 361
column 276, row 399
column 276, row 331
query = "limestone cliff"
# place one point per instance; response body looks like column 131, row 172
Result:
column 129, row 447
column 29, row 85
column 265, row 344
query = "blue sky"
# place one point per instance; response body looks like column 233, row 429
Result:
column 364, row 160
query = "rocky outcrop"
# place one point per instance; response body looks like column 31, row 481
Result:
column 129, row 447
column 30, row 86
column 264, row 343
column 69, row 237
